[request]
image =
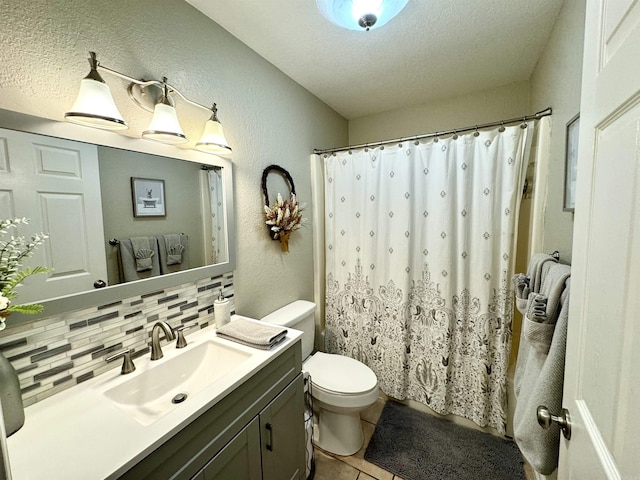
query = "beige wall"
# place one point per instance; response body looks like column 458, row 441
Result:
column 268, row 118
column 480, row 107
column 556, row 81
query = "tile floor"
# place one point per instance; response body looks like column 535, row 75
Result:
column 355, row 467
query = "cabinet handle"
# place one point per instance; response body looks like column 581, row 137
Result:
column 269, row 429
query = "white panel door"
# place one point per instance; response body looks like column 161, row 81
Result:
column 56, row 184
column 602, row 376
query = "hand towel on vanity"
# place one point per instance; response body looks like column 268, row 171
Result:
column 252, row 334
column 129, row 260
column 540, row 367
column 173, row 252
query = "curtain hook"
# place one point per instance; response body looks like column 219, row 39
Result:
column 524, row 123
column 436, row 140
column 476, row 133
column 416, row 142
column 501, row 129
column 455, row 135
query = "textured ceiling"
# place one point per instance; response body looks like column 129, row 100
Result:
column 432, row 49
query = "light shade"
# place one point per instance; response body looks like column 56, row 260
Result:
column 213, row 139
column 164, row 126
column 360, row 14
column 95, row 107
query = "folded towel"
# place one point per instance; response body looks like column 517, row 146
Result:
column 142, row 253
column 553, row 286
column 173, row 252
column 534, row 270
column 541, row 383
column 535, row 328
column 537, row 308
column 252, row 334
column 521, row 285
column 174, row 248
column 129, row 262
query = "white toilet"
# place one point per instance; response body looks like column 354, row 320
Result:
column 341, row 387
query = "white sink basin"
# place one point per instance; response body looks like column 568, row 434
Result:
column 150, row 394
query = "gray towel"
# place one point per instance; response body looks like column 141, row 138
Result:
column 540, row 447
column 142, row 253
column 173, row 250
column 553, row 285
column 521, row 286
column 129, row 262
column 535, row 272
column 252, row 334
column 535, row 327
column 537, row 308
column 539, row 373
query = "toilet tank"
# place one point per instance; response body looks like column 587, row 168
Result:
column 298, row 315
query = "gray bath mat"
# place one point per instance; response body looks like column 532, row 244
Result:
column 418, row 446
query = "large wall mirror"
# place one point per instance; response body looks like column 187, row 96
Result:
column 124, row 216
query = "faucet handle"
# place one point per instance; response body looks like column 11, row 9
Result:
column 127, row 363
column 182, row 342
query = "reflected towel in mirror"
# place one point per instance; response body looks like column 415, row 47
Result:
column 130, row 262
column 173, row 249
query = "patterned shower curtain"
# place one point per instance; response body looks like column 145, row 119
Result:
column 218, row 234
column 420, row 247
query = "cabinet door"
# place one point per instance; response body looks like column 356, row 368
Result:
column 239, row 459
column 282, row 434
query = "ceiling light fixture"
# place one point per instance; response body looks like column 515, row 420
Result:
column 95, row 107
column 360, row 14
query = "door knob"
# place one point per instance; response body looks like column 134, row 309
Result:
column 99, row 284
column 546, row 418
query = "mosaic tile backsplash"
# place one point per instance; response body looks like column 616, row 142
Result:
column 58, row 352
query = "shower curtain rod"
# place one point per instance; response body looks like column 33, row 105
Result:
column 542, row 113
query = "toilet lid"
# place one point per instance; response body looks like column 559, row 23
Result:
column 339, row 374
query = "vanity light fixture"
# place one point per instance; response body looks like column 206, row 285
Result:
column 165, row 126
column 213, row 139
column 362, row 15
column 95, row 107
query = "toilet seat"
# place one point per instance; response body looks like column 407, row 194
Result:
column 341, row 381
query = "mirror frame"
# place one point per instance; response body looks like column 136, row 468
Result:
column 11, row 120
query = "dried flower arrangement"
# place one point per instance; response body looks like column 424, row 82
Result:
column 284, row 216
column 12, row 252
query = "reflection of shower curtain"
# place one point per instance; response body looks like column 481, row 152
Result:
column 215, row 238
column 420, row 243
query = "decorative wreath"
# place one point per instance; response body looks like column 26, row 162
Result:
column 284, row 216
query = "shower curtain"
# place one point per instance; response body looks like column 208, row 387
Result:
column 215, row 245
column 420, row 246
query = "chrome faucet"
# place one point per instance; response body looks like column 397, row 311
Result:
column 156, row 351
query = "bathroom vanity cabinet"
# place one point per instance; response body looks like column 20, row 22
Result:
column 255, row 432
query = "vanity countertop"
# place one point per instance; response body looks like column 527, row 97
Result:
column 81, row 434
